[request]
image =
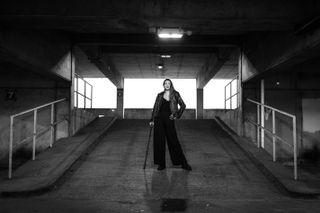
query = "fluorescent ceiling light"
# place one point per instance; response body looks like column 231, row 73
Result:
column 160, row 66
column 165, row 56
column 170, row 33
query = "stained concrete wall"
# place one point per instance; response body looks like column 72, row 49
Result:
column 104, row 112
column 286, row 90
column 146, row 114
column 212, row 113
column 28, row 90
column 36, row 67
column 80, row 118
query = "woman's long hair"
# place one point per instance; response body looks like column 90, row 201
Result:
column 171, row 86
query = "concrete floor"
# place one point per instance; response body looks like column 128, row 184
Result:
column 112, row 179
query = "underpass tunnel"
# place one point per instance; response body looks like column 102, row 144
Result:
column 248, row 73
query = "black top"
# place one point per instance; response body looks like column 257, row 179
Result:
column 165, row 108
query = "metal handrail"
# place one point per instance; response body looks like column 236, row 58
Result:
column 231, row 96
column 39, row 107
column 268, row 131
column 272, row 108
column 273, row 132
column 35, row 133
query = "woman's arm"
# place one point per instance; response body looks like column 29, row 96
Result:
column 181, row 104
column 153, row 110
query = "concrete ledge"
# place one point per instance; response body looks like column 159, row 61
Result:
column 307, row 185
column 53, row 164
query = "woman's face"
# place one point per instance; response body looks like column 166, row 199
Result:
column 167, row 85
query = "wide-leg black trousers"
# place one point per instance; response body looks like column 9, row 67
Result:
column 164, row 130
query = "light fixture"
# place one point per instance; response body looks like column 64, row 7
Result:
column 160, row 66
column 170, row 33
column 165, row 56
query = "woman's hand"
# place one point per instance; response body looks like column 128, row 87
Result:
column 151, row 123
column 172, row 117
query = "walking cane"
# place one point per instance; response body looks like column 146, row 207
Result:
column 147, row 150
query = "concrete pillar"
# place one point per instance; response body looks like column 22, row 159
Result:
column 240, row 95
column 199, row 103
column 120, row 103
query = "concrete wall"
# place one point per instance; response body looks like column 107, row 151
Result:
column 293, row 90
column 80, row 118
column 104, row 112
column 212, row 113
column 20, row 90
column 40, row 51
column 229, row 117
column 146, row 114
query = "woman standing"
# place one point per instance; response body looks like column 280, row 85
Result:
column 165, row 111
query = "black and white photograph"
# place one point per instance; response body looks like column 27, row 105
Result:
column 150, row 106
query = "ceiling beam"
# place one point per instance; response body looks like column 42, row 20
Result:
column 151, row 40
column 105, row 64
column 212, row 66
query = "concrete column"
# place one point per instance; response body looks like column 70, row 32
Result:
column 120, row 103
column 199, row 103
column 240, row 95
column 72, row 117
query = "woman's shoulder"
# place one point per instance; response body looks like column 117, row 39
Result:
column 175, row 92
column 160, row 93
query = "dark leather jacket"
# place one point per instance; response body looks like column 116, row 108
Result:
column 175, row 99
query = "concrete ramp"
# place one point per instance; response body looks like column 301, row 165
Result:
column 111, row 177
column 113, row 170
column 49, row 167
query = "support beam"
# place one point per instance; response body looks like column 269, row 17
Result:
column 105, row 64
column 278, row 50
column 120, row 112
column 47, row 53
column 149, row 42
column 199, row 103
column 212, row 66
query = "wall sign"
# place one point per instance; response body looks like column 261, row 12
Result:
column 11, row 95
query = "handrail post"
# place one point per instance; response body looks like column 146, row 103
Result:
column 261, row 106
column 273, row 136
column 230, row 95
column 225, row 98
column 262, row 113
column 258, row 127
column 34, row 134
column 52, row 127
column 10, row 147
column 295, row 148
column 85, row 95
column 91, row 96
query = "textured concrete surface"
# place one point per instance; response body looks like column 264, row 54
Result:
column 307, row 184
column 112, row 179
column 49, row 166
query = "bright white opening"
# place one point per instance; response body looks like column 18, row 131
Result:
column 141, row 93
column 170, row 35
column 104, row 94
column 213, row 94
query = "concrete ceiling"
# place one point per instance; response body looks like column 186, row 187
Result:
column 137, row 16
column 145, row 65
column 120, row 31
